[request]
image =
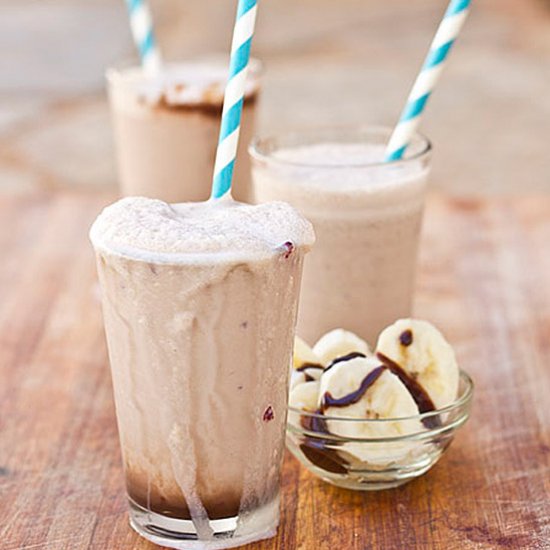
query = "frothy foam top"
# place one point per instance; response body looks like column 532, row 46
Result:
column 189, row 83
column 152, row 230
column 344, row 166
column 333, row 154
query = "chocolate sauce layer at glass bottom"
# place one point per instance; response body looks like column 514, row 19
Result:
column 225, row 505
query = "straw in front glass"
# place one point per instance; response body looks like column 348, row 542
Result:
column 141, row 24
column 447, row 33
column 234, row 98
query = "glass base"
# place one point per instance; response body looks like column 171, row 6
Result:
column 371, row 481
column 364, row 476
column 227, row 533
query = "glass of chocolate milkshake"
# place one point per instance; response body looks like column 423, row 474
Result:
column 200, row 304
column 367, row 216
column 166, row 128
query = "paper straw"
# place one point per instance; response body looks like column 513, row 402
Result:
column 234, row 98
column 447, row 33
column 141, row 24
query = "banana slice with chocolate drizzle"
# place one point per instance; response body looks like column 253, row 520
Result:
column 338, row 343
column 428, row 360
column 364, row 388
column 307, row 366
column 303, row 354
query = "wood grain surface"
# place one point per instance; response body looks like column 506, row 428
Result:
column 485, row 279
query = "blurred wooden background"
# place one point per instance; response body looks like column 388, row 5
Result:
column 328, row 61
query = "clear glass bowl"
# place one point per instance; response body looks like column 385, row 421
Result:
column 374, row 461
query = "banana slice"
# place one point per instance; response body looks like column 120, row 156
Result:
column 424, row 354
column 337, row 343
column 306, row 365
column 307, row 373
column 363, row 388
column 305, row 396
column 303, row 354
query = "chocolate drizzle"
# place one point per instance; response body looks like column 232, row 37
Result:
column 309, row 366
column 315, row 423
column 406, row 338
column 348, row 357
column 354, row 397
column 418, row 393
column 326, row 459
column 317, row 450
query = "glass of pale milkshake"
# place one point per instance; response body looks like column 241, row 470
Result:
column 200, row 304
column 166, row 128
column 367, row 216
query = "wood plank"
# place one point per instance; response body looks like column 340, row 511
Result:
column 484, row 279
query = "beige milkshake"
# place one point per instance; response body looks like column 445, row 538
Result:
column 167, row 125
column 200, row 303
column 367, row 217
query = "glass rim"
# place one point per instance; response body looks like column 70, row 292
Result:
column 462, row 400
column 256, row 153
column 117, row 70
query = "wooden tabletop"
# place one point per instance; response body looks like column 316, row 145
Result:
column 485, row 280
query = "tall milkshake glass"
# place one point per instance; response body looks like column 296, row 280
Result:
column 367, row 216
column 166, row 128
column 200, row 303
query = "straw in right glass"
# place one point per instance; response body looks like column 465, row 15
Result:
column 447, row 33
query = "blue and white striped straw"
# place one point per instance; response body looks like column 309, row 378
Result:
column 448, row 31
column 234, row 98
column 141, row 24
